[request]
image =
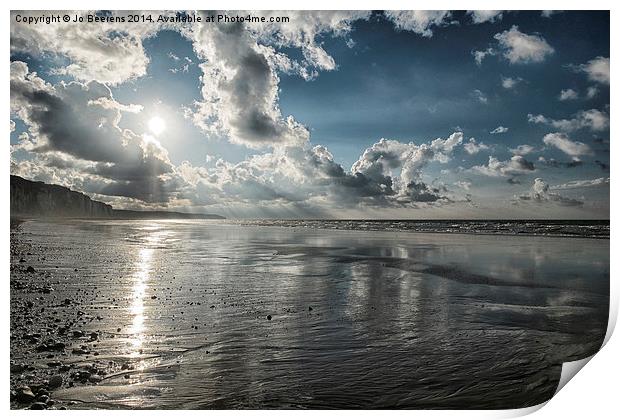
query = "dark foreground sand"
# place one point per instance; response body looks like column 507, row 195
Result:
column 52, row 343
column 194, row 314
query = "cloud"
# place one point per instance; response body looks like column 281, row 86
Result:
column 303, row 31
column 466, row 185
column 565, row 144
column 240, row 90
column 80, row 121
column 240, row 73
column 574, row 163
column 419, row 21
column 521, row 48
column 499, row 130
column 592, row 92
column 591, row 119
column 110, row 53
column 597, row 69
column 516, row 165
column 472, row 147
column 522, row 150
column 387, row 174
column 12, row 125
column 587, row 183
column 482, row 16
column 479, row 56
column 540, row 194
column 76, row 136
column 378, row 161
column 480, row 96
column 510, row 82
column 568, row 95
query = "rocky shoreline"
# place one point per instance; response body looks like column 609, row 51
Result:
column 52, row 344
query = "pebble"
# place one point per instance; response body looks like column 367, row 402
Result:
column 55, row 381
column 43, row 399
column 25, row 395
column 18, row 368
column 38, row 406
column 94, row 379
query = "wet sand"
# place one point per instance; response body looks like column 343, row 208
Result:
column 205, row 314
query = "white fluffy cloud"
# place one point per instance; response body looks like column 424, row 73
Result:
column 568, row 95
column 499, row 130
column 540, row 194
column 482, row 16
column 519, row 48
column 389, row 173
column 110, row 53
column 586, row 183
column 378, row 161
column 480, row 96
column 592, row 92
column 516, row 165
column 522, row 150
column 597, row 69
column 565, row 144
column 241, row 65
column 303, row 31
column 419, row 21
column 592, row 119
column 510, row 82
column 479, row 56
column 472, row 147
column 466, row 185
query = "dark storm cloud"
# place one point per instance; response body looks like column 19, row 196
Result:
column 240, row 89
column 81, row 121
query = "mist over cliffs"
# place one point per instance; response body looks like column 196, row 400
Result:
column 38, row 199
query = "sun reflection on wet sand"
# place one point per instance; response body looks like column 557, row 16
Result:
column 141, row 280
column 137, row 302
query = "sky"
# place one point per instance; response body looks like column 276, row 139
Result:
column 333, row 114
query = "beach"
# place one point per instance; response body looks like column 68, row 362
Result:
column 199, row 314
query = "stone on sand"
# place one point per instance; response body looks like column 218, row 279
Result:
column 24, row 395
column 55, row 381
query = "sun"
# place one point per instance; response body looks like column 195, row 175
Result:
column 157, row 125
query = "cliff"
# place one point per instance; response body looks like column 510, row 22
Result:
column 37, row 199
column 30, row 198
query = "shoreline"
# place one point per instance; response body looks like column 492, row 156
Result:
column 311, row 225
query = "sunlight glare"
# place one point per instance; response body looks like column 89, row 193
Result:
column 157, row 125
